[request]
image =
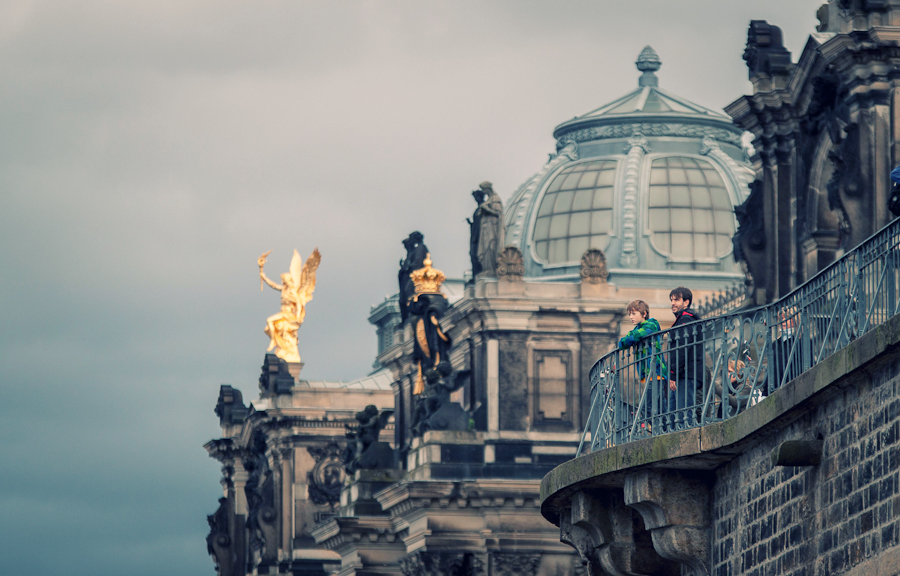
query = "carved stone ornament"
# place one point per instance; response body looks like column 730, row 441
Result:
column 593, row 267
column 511, row 264
column 326, row 477
column 649, row 129
column 522, row 564
column 636, row 149
column 442, row 564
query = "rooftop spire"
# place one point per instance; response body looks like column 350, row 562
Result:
column 648, row 62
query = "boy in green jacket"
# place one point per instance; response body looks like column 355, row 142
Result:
column 646, row 345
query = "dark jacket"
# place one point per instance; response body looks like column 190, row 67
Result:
column 687, row 360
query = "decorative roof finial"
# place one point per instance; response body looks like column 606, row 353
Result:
column 648, row 63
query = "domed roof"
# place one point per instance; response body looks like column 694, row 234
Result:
column 651, row 179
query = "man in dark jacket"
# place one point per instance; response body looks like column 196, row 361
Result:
column 687, row 366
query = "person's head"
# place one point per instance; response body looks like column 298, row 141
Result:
column 734, row 368
column 637, row 311
column 681, row 299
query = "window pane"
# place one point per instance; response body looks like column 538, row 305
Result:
column 563, row 202
column 682, row 245
column 720, row 199
column 571, row 181
column 659, row 196
column 607, row 177
column 541, row 249
column 724, row 222
column 559, row 226
column 601, row 221
column 680, row 196
column 588, row 180
column 558, row 250
column 723, row 245
column 658, row 175
column 577, row 247
column 661, row 241
column 659, row 220
column 547, row 205
column 702, row 245
column 700, row 197
column 681, row 220
column 703, row 221
column 677, row 176
column 713, row 178
column 579, row 224
column 541, row 228
column 695, row 177
column 603, row 198
column 557, row 182
column 583, row 200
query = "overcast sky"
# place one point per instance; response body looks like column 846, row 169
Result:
column 151, row 151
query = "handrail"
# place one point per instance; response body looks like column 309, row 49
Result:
column 730, row 362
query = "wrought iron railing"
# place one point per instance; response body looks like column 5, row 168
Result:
column 725, row 301
column 725, row 364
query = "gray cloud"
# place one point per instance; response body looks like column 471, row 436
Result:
column 149, row 152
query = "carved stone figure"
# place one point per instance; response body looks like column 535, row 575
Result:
column 363, row 438
column 475, row 233
column 593, row 267
column 260, row 493
column 490, row 235
column 765, row 52
column 326, row 477
column 416, row 252
column 296, row 291
column 218, row 542
column 433, row 410
column 511, row 264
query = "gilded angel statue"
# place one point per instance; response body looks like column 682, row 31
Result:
column 296, row 291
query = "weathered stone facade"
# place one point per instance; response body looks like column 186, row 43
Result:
column 825, row 130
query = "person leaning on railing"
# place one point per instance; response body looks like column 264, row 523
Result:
column 687, row 366
column 648, row 351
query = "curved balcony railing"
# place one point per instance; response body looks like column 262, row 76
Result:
column 725, row 364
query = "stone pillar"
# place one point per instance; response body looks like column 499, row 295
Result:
column 636, row 148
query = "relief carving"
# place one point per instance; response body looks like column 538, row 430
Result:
column 326, row 477
column 593, row 267
column 511, row 264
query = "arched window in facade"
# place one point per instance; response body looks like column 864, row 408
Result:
column 691, row 217
column 576, row 212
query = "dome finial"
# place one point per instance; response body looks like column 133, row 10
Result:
column 648, row 62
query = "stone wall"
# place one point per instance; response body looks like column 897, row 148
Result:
column 823, row 519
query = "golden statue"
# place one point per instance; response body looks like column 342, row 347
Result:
column 296, row 291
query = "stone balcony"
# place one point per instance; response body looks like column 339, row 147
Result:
column 749, row 493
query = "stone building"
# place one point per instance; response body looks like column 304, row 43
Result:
column 637, row 198
column 825, row 133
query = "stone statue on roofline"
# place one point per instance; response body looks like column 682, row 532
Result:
column 489, row 216
column 298, row 285
column 416, row 252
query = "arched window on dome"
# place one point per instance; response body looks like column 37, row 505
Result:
column 691, row 217
column 576, row 212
